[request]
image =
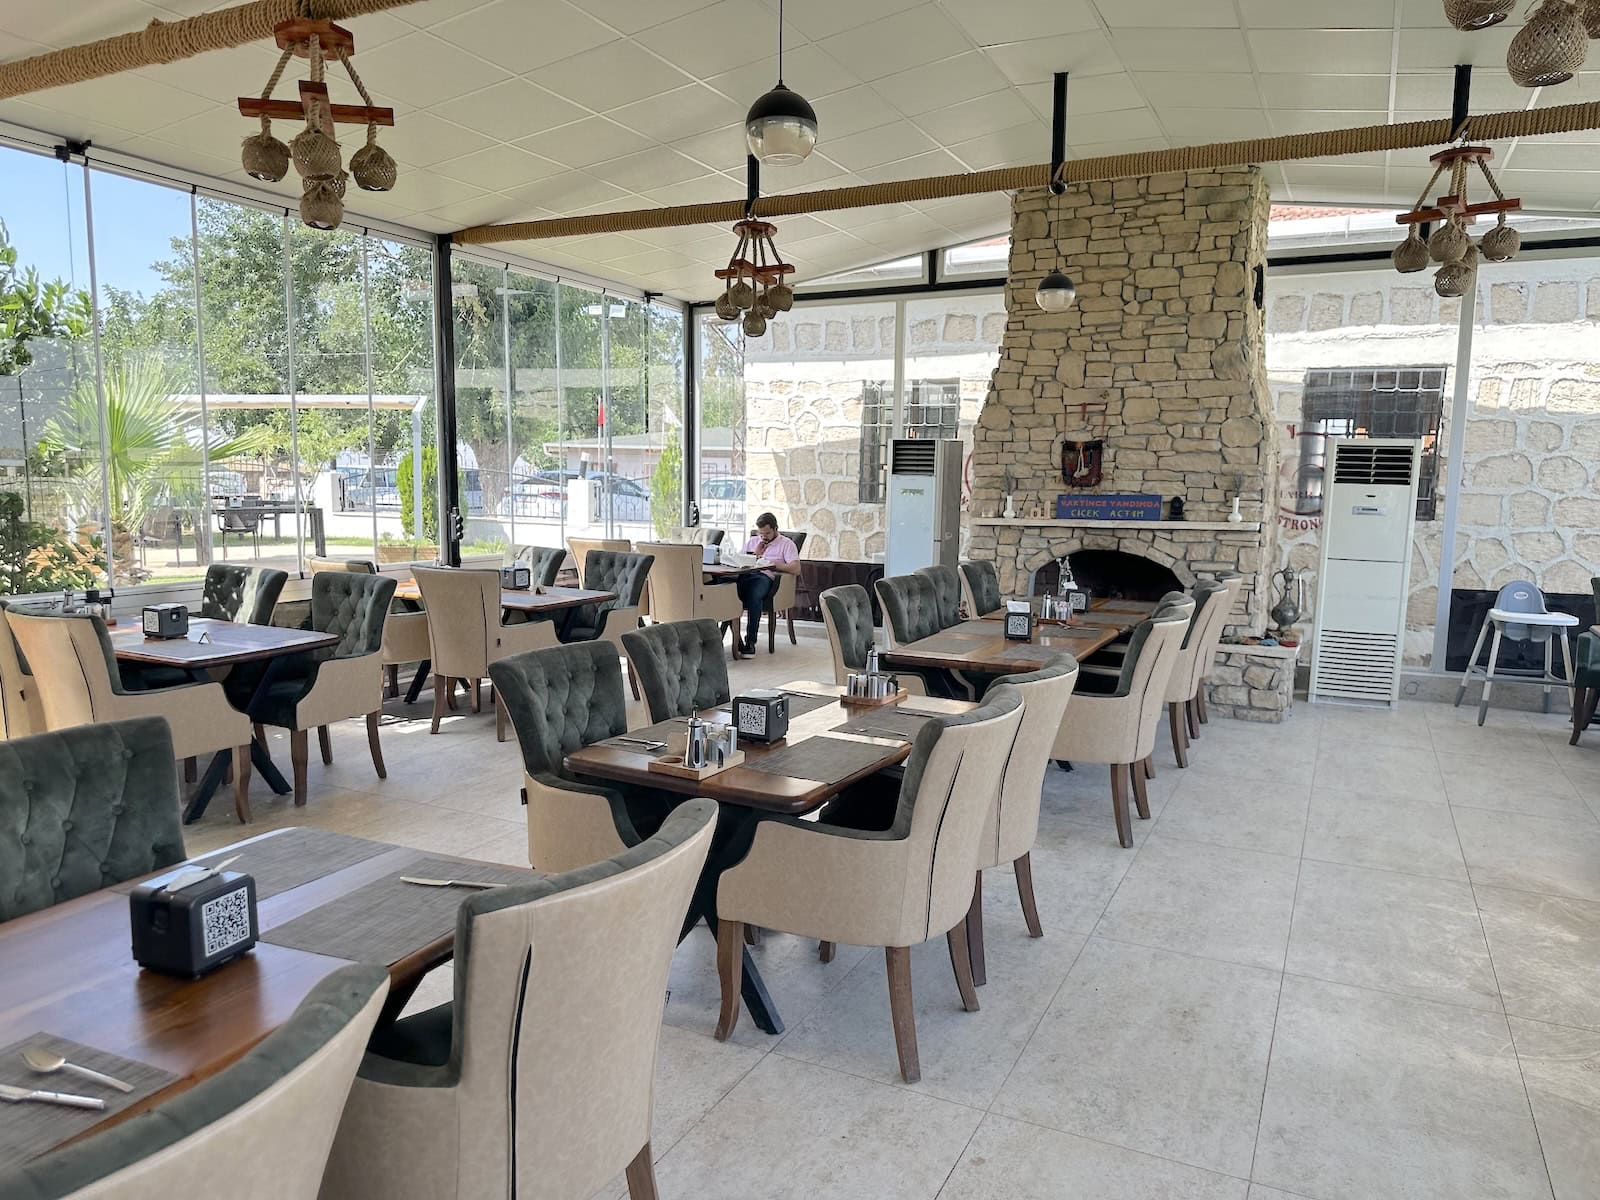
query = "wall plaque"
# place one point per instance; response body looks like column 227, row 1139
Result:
column 1109, row 506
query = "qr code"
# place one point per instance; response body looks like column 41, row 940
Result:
column 225, row 921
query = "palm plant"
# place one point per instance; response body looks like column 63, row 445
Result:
column 155, row 450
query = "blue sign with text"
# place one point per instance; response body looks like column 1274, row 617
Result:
column 1108, row 506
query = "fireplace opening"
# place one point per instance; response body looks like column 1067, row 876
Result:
column 1111, row 575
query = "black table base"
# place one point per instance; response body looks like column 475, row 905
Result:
column 260, row 759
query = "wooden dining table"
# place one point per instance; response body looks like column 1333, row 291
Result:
column 68, row 972
column 746, row 795
column 981, row 646
column 213, row 645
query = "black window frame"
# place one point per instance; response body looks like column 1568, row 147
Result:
column 1344, row 402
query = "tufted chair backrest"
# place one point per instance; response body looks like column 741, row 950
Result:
column 74, row 666
column 680, row 665
column 580, row 548
column 946, row 594
column 544, row 563
column 1200, row 641
column 353, row 607
column 223, row 593
column 618, row 571
column 910, row 607
column 560, row 700
column 84, row 808
column 847, row 614
column 981, row 587
column 21, row 712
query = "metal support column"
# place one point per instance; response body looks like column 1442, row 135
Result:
column 451, row 526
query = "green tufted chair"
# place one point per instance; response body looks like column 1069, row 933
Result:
column 980, row 588
column 625, row 573
column 543, row 562
column 84, row 808
column 336, row 684
column 847, row 616
column 561, row 700
column 1586, row 679
column 680, row 665
column 947, row 594
column 243, row 594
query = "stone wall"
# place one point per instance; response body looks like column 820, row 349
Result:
column 1530, row 501
column 1161, row 356
column 1252, row 683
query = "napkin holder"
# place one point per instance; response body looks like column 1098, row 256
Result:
column 166, row 620
column 762, row 715
column 710, row 556
column 516, row 578
column 196, row 928
column 1019, row 621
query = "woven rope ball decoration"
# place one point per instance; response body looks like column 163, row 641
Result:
column 1411, row 255
column 1469, row 15
column 1501, row 243
column 726, row 308
column 1590, row 12
column 781, row 297
column 1448, row 243
column 316, row 155
column 743, row 295
column 1454, row 278
column 1550, row 48
column 754, row 324
column 322, row 202
column 264, row 157
column 373, row 169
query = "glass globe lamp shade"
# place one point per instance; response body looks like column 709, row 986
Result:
column 1056, row 292
column 781, row 128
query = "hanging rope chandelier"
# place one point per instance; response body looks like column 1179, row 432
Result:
column 314, row 151
column 753, row 280
column 1548, row 49
column 1451, row 245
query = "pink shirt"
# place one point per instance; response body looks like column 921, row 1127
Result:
column 779, row 550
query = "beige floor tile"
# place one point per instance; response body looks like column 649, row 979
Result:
column 1530, row 854
column 1546, row 954
column 793, row 1131
column 1213, row 901
column 1388, row 832
column 1011, row 1160
column 1562, row 1070
column 1247, row 814
column 1520, row 784
column 1374, row 1095
column 1348, row 766
column 1153, row 1051
column 1077, row 866
column 1397, row 933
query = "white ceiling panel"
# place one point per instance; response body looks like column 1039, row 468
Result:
column 523, row 109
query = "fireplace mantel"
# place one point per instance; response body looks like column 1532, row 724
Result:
column 1050, row 523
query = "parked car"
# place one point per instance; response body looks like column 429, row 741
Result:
column 722, row 504
column 543, row 496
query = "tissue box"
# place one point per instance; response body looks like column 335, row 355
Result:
column 166, row 620
column 762, row 715
column 516, row 578
column 195, row 929
column 1019, row 622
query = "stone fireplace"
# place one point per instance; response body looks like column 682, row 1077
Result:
column 1113, row 574
column 1162, row 358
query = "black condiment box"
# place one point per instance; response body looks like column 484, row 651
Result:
column 195, row 929
column 762, row 715
column 1019, row 626
column 166, row 620
column 516, row 578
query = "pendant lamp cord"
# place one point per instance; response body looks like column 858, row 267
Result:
column 780, row 43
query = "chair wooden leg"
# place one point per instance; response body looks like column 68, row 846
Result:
column 752, row 935
column 1030, row 910
column 772, row 631
column 974, row 920
column 961, row 961
column 392, row 675
column 372, row 744
column 1194, row 721
column 499, row 720
column 1180, row 735
column 633, row 680
column 642, row 1177
column 825, row 952
column 299, row 753
column 1141, row 797
column 1149, row 766
column 325, row 745
column 475, row 686
column 440, row 687
column 241, row 783
column 1200, row 705
column 898, row 961
column 733, row 643
column 730, row 969
column 1119, row 804
column 789, row 619
column 191, row 770
column 1583, row 708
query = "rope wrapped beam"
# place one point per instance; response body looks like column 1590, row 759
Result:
column 1412, row 135
column 170, row 41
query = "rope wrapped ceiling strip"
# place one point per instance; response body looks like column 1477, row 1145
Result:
column 1412, row 135
column 170, row 41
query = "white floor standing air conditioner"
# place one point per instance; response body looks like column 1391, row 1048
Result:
column 924, row 504
column 1369, row 512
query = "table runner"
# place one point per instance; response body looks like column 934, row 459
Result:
column 387, row 920
column 29, row 1129
column 291, row 858
column 824, row 759
column 888, row 722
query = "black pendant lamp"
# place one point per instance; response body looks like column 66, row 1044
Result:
column 781, row 128
column 1057, row 292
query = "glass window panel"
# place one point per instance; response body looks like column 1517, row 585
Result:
column 483, row 433
column 533, row 508
column 664, row 433
column 52, row 512
column 584, row 337
column 400, row 303
column 719, row 408
column 988, row 257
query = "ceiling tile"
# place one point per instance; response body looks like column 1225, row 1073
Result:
column 67, row 24
column 630, row 16
column 485, row 210
column 1492, row 91
column 1037, row 59
column 1162, row 14
column 818, row 19
column 128, row 102
column 649, row 168
column 818, row 170
column 886, row 143
column 705, row 189
column 509, row 110
column 421, row 139
column 609, row 76
column 806, row 69
column 1202, row 125
column 425, row 71
column 429, row 190
column 1180, row 49
column 1318, row 14
column 710, row 40
column 1554, row 158
column 934, row 162
column 718, row 149
column 1016, row 146
column 953, row 123
column 898, row 43
column 1207, row 89
column 568, row 192
column 1310, row 120
column 852, row 111
column 424, row 16
column 989, row 22
column 940, row 84
column 1124, row 124
column 1325, row 91
column 584, row 143
column 686, row 110
column 499, row 168
column 1332, row 50
column 1423, row 14
column 520, row 36
column 1442, row 49
column 1086, row 94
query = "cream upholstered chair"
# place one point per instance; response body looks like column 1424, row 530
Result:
column 980, row 588
column 678, row 591
column 580, row 548
column 75, row 669
column 847, row 616
column 1118, row 726
column 359, row 566
column 261, row 1129
column 627, row 575
column 785, row 597
column 466, row 632
column 537, row 1079
column 1194, row 659
column 700, row 535
column 1234, row 582
column 21, row 711
column 1013, row 823
column 560, row 700
column 894, row 889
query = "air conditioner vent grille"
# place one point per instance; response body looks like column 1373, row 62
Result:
column 1372, row 464
column 1356, row 666
column 913, row 456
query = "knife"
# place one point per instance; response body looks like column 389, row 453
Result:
column 17, row 1095
column 464, row 883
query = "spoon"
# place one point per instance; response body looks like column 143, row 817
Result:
column 44, row 1062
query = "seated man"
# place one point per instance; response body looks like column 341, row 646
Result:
column 756, row 587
